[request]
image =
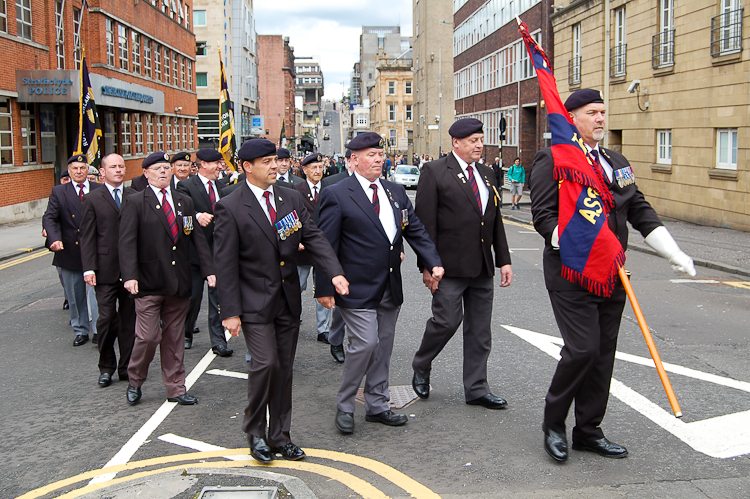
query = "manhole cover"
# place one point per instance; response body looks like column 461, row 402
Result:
column 238, row 493
column 401, row 396
column 43, row 304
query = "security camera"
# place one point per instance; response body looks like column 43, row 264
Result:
column 634, row 86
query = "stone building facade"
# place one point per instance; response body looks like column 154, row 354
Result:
column 392, row 104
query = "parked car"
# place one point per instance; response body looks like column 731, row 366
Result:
column 326, row 122
column 406, row 175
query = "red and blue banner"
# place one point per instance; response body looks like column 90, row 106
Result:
column 590, row 252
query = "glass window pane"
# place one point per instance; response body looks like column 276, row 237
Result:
column 723, row 146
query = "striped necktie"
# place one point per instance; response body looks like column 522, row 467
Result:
column 170, row 214
column 269, row 206
column 80, row 192
column 211, row 195
column 375, row 200
column 474, row 186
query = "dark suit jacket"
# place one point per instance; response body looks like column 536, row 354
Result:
column 259, row 269
column 448, row 208
column 147, row 251
column 62, row 221
column 369, row 259
column 100, row 234
column 630, row 206
column 139, row 184
column 293, row 179
column 311, row 206
column 332, row 179
column 193, row 187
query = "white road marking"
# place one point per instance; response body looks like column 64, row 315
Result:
column 228, row 374
column 523, row 249
column 136, row 441
column 721, row 437
column 695, row 281
column 189, row 443
column 527, row 232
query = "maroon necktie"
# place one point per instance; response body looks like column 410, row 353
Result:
column 80, row 192
column 315, row 190
column 170, row 214
column 271, row 211
column 474, row 186
column 598, row 165
column 211, row 195
column 375, row 201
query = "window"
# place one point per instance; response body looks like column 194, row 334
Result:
column 138, row 133
column 168, row 143
column 726, row 149
column 190, row 135
column 187, row 17
column 408, row 113
column 182, row 72
column 59, row 34
column 122, row 41
column 199, row 18
column 664, row 147
column 662, row 43
column 200, row 48
column 77, row 37
column 147, row 56
column 23, row 23
column 110, row 42
column 201, row 79
column 407, row 88
column 167, row 65
column 157, row 61
column 392, row 137
column 159, row 134
column 511, row 130
column 618, row 53
column 125, row 130
column 28, row 134
column 184, row 134
column 176, row 131
column 150, row 133
column 3, row 17
column 190, row 75
column 6, row 133
column 391, row 88
column 574, row 65
column 391, row 112
column 361, row 120
column 136, row 42
column 726, row 29
column 174, row 69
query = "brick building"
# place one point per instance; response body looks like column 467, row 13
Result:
column 277, row 86
column 494, row 78
column 142, row 76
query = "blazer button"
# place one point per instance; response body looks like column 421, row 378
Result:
column 73, row 216
column 281, row 263
column 76, row 243
column 173, row 262
column 390, row 270
column 482, row 240
column 79, row 230
column 283, row 280
column 174, row 248
column 391, row 248
column 482, row 223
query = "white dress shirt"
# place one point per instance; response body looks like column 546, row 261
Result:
column 386, row 216
column 262, row 200
column 205, row 186
column 112, row 191
column 160, row 197
column 484, row 191
column 85, row 184
column 312, row 188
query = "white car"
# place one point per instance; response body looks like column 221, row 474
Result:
column 406, row 175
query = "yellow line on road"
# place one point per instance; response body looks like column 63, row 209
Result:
column 517, row 224
column 24, row 259
column 739, row 284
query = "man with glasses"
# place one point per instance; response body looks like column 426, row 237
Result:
column 158, row 226
column 61, row 222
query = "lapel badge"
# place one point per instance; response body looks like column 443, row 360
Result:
column 158, row 207
column 187, row 225
column 461, row 176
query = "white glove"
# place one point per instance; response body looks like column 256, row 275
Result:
column 555, row 240
column 664, row 244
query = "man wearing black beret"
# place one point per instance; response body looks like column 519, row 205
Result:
column 589, row 323
column 181, row 166
column 458, row 202
column 285, row 178
column 259, row 228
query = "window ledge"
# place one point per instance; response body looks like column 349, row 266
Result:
column 661, row 168
column 575, row 86
column 722, row 174
column 732, row 58
column 664, row 70
column 20, row 39
column 26, row 168
column 613, row 80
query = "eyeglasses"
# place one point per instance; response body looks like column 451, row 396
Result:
column 157, row 168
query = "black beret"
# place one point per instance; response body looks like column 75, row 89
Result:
column 465, row 127
column 283, row 153
column 155, row 157
column 77, row 158
column 312, row 158
column 65, row 174
column 208, row 155
column 582, row 97
column 348, row 153
column 180, row 156
column 256, row 148
column 366, row 140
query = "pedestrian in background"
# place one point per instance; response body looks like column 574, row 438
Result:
column 517, row 177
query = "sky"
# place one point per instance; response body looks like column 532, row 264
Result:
column 329, row 30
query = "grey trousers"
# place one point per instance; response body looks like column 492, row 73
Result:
column 468, row 300
column 322, row 314
column 336, row 336
column 75, row 290
column 371, row 333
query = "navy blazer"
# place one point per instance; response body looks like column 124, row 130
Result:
column 369, row 259
column 62, row 221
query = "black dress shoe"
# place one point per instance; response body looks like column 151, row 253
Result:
column 196, row 330
column 105, row 379
column 338, row 353
column 188, row 343
column 323, row 337
column 133, row 394
column 95, row 339
column 556, row 444
column 222, row 351
column 388, row 417
column 344, row 421
column 290, row 452
column 66, row 305
column 601, row 446
column 80, row 340
column 259, row 449
column 421, row 385
column 489, row 401
column 184, row 399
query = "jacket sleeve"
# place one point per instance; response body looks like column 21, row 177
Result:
column 426, row 206
column 51, row 218
column 419, row 239
column 227, row 251
column 198, row 238
column 129, row 227
column 330, row 225
column 500, row 241
column 88, row 236
column 544, row 197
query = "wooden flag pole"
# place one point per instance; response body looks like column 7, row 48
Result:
column 650, row 343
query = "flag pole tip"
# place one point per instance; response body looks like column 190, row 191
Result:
column 678, row 414
column 518, row 20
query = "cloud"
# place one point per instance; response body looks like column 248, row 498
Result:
column 329, row 30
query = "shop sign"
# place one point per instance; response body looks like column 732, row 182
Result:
column 47, row 86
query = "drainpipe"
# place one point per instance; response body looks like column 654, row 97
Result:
column 606, row 63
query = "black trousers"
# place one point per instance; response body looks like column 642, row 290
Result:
column 272, row 348
column 215, row 329
column 589, row 325
column 116, row 322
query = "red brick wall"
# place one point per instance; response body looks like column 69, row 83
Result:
column 275, row 85
column 37, row 184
